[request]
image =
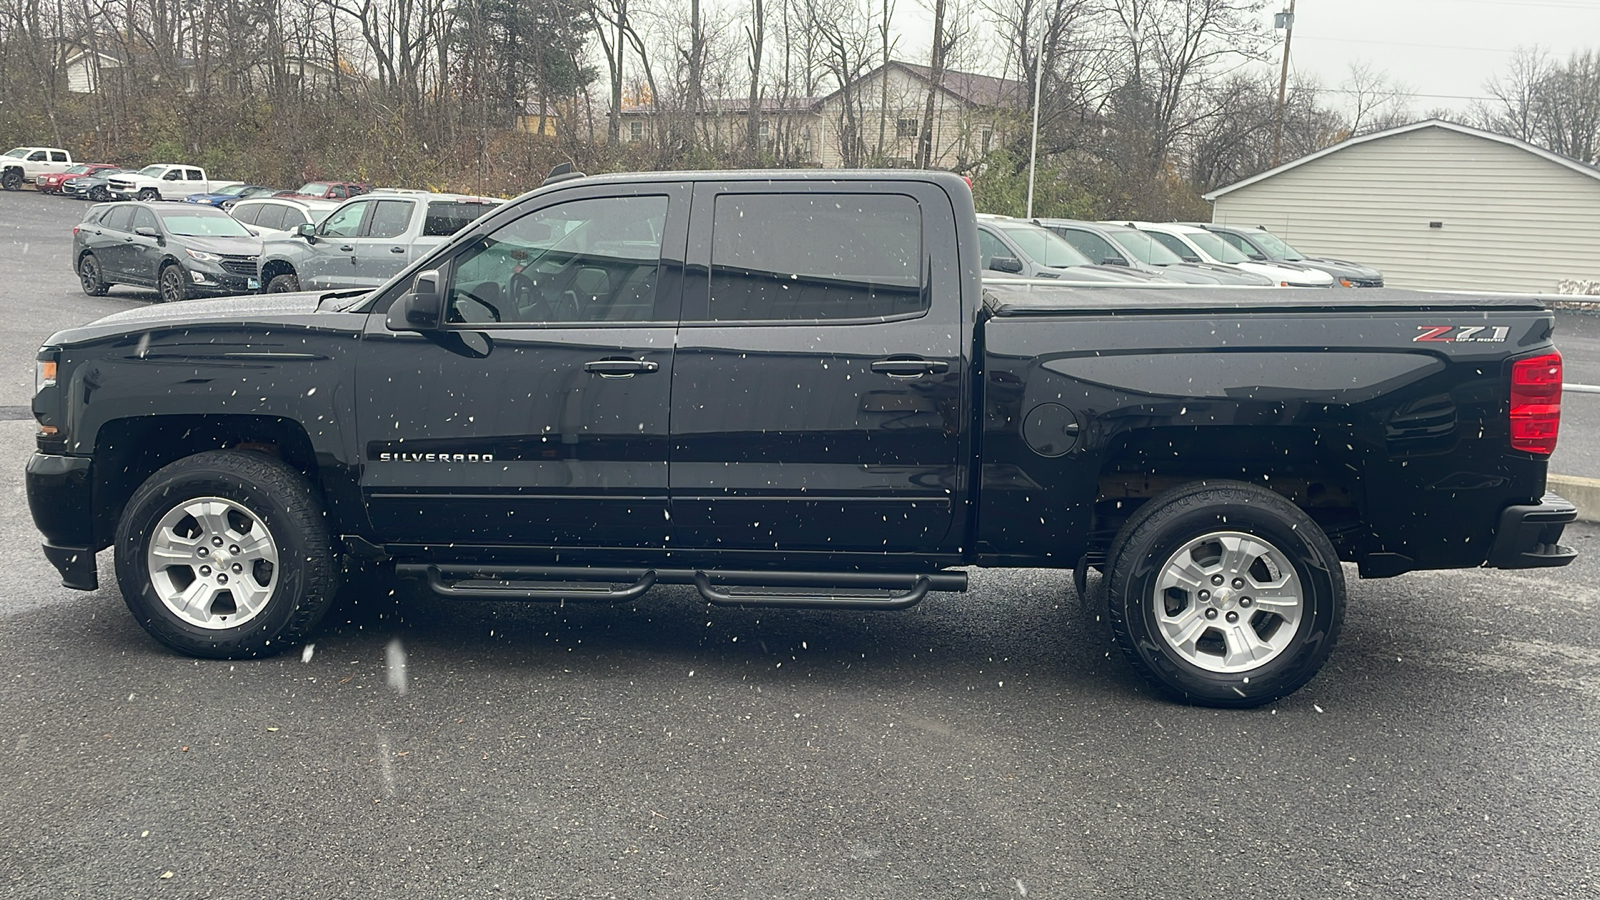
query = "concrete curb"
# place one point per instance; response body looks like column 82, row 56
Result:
column 1583, row 492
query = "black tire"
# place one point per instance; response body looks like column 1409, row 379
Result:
column 283, row 284
column 172, row 283
column 1202, row 647
column 90, row 277
column 264, row 503
column 11, row 179
column 149, row 194
column 99, row 193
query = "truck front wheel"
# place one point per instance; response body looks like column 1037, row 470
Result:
column 1224, row 594
column 149, row 194
column 226, row 555
column 286, row 283
column 11, row 179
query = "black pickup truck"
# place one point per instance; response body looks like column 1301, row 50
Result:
column 793, row 389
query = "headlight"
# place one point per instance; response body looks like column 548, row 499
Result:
column 44, row 368
column 202, row 256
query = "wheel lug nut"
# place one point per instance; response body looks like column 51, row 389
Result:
column 1238, row 582
column 223, row 579
column 1245, row 601
column 1211, row 614
column 235, row 549
column 1232, row 616
column 1205, row 595
column 1216, row 579
column 237, row 568
column 216, row 542
column 205, row 570
column 202, row 552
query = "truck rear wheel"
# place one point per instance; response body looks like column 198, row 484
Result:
column 1224, row 594
column 226, row 555
column 11, row 179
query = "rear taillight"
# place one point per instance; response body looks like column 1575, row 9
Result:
column 1536, row 403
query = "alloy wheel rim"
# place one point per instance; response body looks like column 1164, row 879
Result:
column 89, row 274
column 213, row 563
column 171, row 286
column 1228, row 602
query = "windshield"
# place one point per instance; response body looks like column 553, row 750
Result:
column 152, row 171
column 316, row 188
column 1143, row 247
column 1045, row 247
column 230, row 190
column 1216, row 248
column 18, row 152
column 189, row 224
column 1275, row 247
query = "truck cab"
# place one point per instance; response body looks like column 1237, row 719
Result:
column 23, row 165
column 163, row 181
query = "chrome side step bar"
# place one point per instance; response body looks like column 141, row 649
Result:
column 836, row 590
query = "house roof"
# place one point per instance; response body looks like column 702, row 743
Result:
column 1441, row 124
column 729, row 106
column 968, row 87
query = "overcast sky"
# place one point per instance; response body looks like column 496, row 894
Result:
column 1443, row 50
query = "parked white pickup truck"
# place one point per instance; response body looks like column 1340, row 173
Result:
column 21, row 165
column 162, row 181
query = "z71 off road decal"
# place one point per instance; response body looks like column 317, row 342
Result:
column 1461, row 334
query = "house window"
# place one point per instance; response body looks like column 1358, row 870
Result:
column 805, row 140
column 985, row 138
column 635, row 131
column 905, row 128
column 765, row 131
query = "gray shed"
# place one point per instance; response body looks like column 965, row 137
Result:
column 1435, row 205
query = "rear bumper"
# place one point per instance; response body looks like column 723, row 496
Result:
column 60, row 496
column 1529, row 536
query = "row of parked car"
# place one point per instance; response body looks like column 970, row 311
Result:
column 263, row 243
column 1145, row 252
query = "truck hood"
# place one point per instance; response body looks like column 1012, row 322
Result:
column 283, row 310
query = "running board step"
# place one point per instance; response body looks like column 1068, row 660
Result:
column 835, row 590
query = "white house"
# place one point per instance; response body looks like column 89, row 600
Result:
column 1435, row 205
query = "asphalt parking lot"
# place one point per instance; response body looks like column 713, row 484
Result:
column 985, row 744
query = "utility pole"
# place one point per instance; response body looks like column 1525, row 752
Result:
column 1038, row 85
column 1284, row 20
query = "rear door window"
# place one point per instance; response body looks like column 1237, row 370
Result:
column 57, row 156
column 250, row 215
column 809, row 257
column 390, row 218
column 119, row 219
column 446, row 217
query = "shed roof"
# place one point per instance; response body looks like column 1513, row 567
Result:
column 1441, row 124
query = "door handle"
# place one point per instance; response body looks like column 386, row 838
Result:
column 347, row 248
column 397, row 249
column 909, row 367
column 620, row 368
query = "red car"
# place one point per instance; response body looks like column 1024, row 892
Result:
column 50, row 183
column 326, row 190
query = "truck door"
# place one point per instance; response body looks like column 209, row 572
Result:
column 817, row 396
column 330, row 261
column 538, row 416
column 382, row 249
